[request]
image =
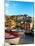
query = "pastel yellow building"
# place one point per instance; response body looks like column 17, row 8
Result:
column 9, row 22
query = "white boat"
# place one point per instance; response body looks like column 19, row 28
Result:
column 12, row 39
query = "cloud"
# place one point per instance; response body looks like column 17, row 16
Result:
column 6, row 4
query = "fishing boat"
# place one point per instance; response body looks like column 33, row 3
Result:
column 12, row 37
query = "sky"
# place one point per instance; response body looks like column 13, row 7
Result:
column 18, row 8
